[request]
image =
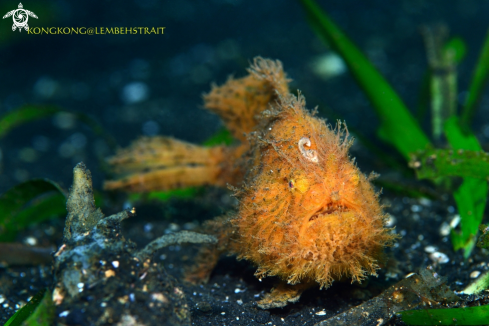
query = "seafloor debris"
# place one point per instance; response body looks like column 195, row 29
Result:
column 424, row 289
column 100, row 277
column 306, row 213
column 483, row 241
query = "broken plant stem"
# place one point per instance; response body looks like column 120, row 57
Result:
column 174, row 238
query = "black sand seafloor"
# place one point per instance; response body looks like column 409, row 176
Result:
column 137, row 85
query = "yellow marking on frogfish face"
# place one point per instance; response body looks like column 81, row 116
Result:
column 302, row 185
column 355, row 178
column 299, row 183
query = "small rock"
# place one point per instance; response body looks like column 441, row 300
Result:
column 204, row 307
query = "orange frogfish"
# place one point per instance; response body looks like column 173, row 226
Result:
column 306, row 213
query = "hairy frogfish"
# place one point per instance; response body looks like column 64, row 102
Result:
column 306, row 213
